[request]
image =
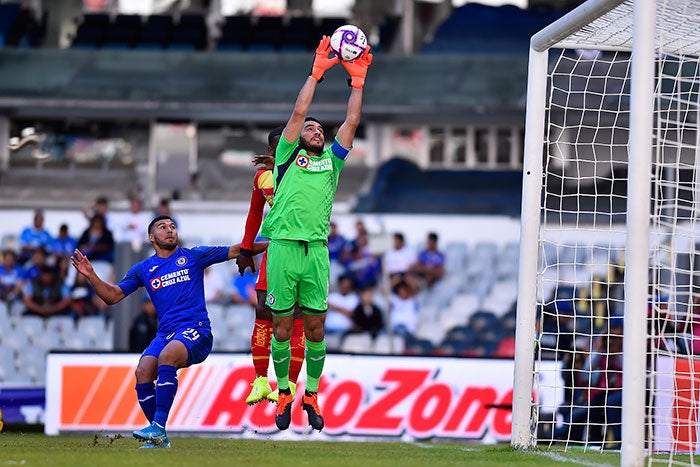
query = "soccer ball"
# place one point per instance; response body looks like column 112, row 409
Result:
column 348, row 42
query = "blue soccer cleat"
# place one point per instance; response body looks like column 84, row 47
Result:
column 153, row 432
column 153, row 445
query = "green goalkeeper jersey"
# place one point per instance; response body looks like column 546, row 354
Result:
column 304, row 190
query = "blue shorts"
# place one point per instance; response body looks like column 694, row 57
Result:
column 198, row 341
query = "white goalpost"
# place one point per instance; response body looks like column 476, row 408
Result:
column 609, row 278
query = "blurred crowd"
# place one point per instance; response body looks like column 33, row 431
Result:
column 373, row 291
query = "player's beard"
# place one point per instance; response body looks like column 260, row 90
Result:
column 168, row 245
column 310, row 148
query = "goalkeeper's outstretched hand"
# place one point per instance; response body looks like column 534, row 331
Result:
column 321, row 61
column 358, row 69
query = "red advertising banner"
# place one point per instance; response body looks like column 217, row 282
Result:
column 361, row 397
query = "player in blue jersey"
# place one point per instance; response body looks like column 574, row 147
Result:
column 174, row 280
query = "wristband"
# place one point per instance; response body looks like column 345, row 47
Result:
column 246, row 252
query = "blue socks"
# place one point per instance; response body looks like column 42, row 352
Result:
column 166, row 387
column 146, row 394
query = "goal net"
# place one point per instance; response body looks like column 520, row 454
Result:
column 610, row 243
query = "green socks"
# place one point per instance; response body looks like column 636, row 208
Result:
column 315, row 358
column 281, row 353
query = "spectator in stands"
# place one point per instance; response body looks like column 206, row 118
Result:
column 11, row 281
column 597, row 402
column 367, row 316
column 34, row 237
column 556, row 342
column 361, row 237
column 33, row 269
column 47, row 295
column 399, row 259
column 336, row 243
column 97, row 242
column 131, row 225
column 64, row 244
column 101, row 206
column 404, row 309
column 360, row 264
column 144, row 327
column 341, row 305
column 164, row 209
column 213, row 286
column 430, row 266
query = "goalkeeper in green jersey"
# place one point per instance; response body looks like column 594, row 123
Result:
column 306, row 178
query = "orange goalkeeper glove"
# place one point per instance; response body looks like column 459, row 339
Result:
column 321, row 61
column 358, row 69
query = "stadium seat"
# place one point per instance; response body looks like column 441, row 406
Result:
column 217, row 316
column 32, row 325
column 330, row 24
column 240, row 315
column 455, row 257
column 483, row 320
column 17, row 339
column 60, row 325
column 190, row 33
column 91, row 328
column 7, row 363
column 266, row 34
column 77, row 342
column 235, row 33
column 33, row 363
column 360, row 343
column 49, row 340
column 385, row 344
column 155, row 32
column 333, row 342
column 431, row 331
column 5, row 321
column 299, row 34
column 9, row 13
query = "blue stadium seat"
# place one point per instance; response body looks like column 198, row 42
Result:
column 299, row 34
column 190, row 33
column 9, row 12
column 267, row 33
column 123, row 32
column 155, row 32
column 235, row 33
column 330, row 24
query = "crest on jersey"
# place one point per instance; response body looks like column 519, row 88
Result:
column 302, row 161
column 181, row 261
column 155, row 283
column 270, row 299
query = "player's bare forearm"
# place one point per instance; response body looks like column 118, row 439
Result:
column 346, row 132
column 109, row 293
column 259, row 247
column 301, row 108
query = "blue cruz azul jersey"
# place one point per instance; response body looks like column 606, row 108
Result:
column 176, row 285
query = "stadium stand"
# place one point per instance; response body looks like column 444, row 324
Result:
column 400, row 186
column 476, row 28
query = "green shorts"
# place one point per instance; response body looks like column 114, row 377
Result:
column 297, row 271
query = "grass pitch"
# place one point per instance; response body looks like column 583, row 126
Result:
column 35, row 449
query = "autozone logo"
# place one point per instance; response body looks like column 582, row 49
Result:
column 361, row 397
column 405, row 401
